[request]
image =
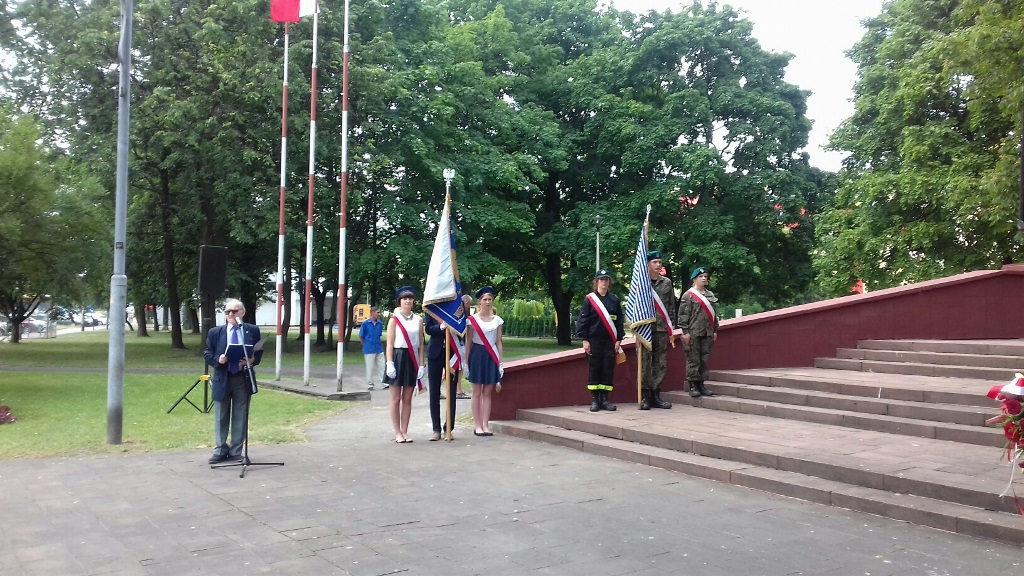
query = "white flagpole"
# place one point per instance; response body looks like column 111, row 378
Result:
column 309, row 210
column 280, row 218
column 342, row 295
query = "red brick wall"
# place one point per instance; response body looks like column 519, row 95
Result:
column 983, row 304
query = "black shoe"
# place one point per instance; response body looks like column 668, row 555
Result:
column 694, row 390
column 595, row 400
column 704, row 391
column 656, row 400
column 604, row 403
column 645, row 399
column 218, row 458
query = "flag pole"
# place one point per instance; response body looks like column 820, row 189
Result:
column 342, row 294
column 280, row 218
column 309, row 210
column 639, row 348
column 448, row 373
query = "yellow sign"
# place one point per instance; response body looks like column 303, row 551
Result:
column 361, row 312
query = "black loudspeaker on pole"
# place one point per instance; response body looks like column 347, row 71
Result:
column 213, row 264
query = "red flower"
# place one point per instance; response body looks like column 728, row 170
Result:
column 1011, row 406
column 1013, row 433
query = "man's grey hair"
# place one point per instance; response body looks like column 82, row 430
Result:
column 234, row 303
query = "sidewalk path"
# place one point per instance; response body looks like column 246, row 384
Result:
column 352, row 502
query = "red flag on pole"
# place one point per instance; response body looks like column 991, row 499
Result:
column 292, row 10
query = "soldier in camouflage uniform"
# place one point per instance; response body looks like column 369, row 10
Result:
column 655, row 362
column 699, row 321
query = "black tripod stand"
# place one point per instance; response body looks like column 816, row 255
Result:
column 207, row 403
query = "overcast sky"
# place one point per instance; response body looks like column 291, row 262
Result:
column 817, row 33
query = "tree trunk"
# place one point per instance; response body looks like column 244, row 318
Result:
column 140, row 319
column 156, row 319
column 559, row 298
column 319, row 296
column 286, row 302
column 301, row 285
column 349, row 321
column 193, row 320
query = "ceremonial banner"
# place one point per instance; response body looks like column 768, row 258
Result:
column 640, row 313
column 442, row 296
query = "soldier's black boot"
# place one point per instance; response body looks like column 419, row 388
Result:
column 704, row 391
column 605, row 404
column 656, row 400
column 645, row 399
column 595, row 400
column 694, row 389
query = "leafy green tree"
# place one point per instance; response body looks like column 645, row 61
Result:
column 50, row 228
column 928, row 188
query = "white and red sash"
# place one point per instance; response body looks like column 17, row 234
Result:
column 705, row 304
column 412, row 353
column 663, row 312
column 602, row 313
column 458, row 351
column 488, row 345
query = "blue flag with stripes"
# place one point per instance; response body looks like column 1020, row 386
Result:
column 640, row 313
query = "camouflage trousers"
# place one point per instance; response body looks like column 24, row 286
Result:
column 655, row 361
column 697, row 355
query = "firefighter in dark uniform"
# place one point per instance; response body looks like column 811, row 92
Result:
column 600, row 316
column 654, row 364
column 699, row 322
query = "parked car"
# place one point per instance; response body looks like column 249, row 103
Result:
column 34, row 325
column 89, row 320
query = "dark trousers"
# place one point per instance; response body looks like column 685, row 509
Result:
column 435, row 373
column 233, row 410
column 601, row 365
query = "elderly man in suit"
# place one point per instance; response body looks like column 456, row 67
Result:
column 231, row 382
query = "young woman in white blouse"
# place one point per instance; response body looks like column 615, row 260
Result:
column 404, row 355
column 484, row 354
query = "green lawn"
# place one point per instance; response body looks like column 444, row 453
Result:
column 61, row 413
column 64, row 413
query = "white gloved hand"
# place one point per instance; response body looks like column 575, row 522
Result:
column 390, row 370
column 501, row 369
column 421, row 372
column 442, row 326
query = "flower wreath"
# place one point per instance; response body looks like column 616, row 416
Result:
column 1010, row 397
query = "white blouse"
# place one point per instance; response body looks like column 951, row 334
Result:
column 412, row 326
column 490, row 329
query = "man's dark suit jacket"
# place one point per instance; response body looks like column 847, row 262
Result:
column 216, row 344
column 435, row 348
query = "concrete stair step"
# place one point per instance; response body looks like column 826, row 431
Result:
column 906, row 387
column 945, row 413
column 943, row 470
column 1013, row 347
column 967, row 434
column 1010, row 364
column 915, row 368
column 921, row 510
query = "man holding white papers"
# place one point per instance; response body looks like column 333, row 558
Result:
column 232, row 350
column 699, row 321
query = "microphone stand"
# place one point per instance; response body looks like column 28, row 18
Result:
column 245, row 462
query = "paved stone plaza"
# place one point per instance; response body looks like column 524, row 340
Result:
column 351, row 501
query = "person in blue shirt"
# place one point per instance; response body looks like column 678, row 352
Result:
column 370, row 332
